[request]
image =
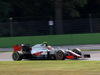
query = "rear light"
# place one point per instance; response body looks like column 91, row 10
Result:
column 30, row 48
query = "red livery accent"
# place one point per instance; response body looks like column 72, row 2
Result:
column 38, row 53
column 17, row 48
column 75, row 55
column 70, row 57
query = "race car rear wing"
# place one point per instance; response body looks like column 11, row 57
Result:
column 17, row 48
column 23, row 47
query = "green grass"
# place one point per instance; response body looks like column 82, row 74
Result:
column 67, row 39
column 48, row 67
column 90, row 49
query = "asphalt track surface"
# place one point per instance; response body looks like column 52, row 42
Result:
column 95, row 55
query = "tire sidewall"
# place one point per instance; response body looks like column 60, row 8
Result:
column 16, row 56
column 62, row 57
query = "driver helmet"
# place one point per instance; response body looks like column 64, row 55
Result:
column 45, row 43
column 49, row 47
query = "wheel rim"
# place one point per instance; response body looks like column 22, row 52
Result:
column 59, row 55
column 15, row 56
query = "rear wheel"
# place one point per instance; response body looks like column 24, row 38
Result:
column 16, row 56
column 60, row 55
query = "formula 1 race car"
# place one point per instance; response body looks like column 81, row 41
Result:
column 43, row 51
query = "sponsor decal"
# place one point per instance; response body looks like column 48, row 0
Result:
column 38, row 53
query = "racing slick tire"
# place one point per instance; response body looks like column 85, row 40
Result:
column 60, row 55
column 17, row 56
column 78, row 51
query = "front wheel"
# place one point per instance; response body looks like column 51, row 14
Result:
column 60, row 55
column 16, row 56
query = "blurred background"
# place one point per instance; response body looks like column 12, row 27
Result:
column 48, row 17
